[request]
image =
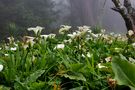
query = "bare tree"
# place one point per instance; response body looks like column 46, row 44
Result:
column 127, row 12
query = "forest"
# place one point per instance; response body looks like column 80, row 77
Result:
column 67, row 44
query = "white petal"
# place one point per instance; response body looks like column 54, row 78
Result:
column 1, row 67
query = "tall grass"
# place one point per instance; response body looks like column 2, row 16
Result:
column 71, row 61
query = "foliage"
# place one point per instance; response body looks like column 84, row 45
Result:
column 69, row 61
column 124, row 72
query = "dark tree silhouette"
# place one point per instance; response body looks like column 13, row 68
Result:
column 17, row 15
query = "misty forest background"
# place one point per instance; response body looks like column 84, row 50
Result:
column 17, row 15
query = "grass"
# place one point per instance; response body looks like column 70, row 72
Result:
column 71, row 61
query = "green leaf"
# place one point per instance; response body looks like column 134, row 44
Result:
column 76, row 67
column 124, row 72
column 37, row 85
column 4, row 87
column 34, row 76
column 77, row 88
column 77, row 76
column 20, row 86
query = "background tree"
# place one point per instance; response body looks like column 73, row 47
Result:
column 82, row 12
column 128, row 13
column 17, row 15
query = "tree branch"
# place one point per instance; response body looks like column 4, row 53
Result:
column 127, row 12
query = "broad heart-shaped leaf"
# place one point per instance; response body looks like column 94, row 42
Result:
column 34, row 76
column 124, row 72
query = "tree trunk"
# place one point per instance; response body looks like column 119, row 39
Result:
column 128, row 13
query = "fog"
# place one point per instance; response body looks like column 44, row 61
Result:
column 94, row 13
column 16, row 16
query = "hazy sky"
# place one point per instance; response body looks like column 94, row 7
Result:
column 108, row 18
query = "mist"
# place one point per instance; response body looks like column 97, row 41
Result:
column 93, row 13
column 16, row 16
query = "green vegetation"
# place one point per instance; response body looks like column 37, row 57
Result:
column 80, row 60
